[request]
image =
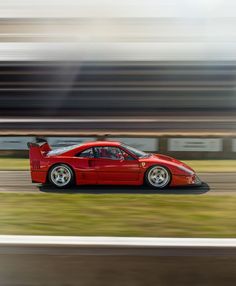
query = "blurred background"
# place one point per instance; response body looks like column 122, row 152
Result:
column 146, row 69
column 159, row 75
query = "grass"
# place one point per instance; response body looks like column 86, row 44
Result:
column 118, row 215
column 197, row 165
column 14, row 164
column 212, row 165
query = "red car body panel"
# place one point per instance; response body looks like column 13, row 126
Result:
column 92, row 171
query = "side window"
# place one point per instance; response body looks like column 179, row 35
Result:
column 107, row 152
column 113, row 153
column 126, row 155
column 88, row 153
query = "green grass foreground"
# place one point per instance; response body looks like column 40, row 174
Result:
column 14, row 164
column 197, row 165
column 118, row 215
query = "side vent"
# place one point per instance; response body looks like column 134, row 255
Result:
column 35, row 164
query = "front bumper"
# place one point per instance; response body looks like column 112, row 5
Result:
column 191, row 180
column 198, row 181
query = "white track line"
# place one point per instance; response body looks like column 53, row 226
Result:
column 99, row 241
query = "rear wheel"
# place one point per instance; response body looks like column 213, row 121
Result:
column 158, row 177
column 61, row 176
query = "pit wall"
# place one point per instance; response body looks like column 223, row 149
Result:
column 182, row 147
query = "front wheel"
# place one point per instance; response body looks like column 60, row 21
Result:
column 61, row 176
column 158, row 177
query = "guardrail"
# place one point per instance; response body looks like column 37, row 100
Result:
column 45, row 260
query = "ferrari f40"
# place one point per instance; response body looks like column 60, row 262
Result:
column 106, row 163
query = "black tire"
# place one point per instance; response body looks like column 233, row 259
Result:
column 162, row 180
column 61, row 176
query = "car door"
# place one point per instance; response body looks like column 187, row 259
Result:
column 84, row 167
column 113, row 167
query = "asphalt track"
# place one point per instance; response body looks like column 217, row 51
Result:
column 119, row 261
column 105, row 266
column 214, row 184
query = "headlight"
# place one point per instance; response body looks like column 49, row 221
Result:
column 186, row 170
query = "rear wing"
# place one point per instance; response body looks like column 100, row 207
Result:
column 39, row 142
column 38, row 149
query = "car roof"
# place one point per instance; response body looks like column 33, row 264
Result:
column 101, row 143
column 83, row 146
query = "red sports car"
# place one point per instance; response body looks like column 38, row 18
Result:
column 106, row 162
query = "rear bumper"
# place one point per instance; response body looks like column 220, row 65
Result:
column 39, row 177
column 191, row 180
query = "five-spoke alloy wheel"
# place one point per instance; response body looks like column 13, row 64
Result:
column 158, row 177
column 61, row 176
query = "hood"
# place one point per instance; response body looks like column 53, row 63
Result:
column 169, row 159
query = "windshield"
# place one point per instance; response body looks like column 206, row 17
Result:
column 136, row 152
column 62, row 150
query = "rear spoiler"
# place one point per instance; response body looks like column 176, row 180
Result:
column 39, row 148
column 39, row 142
column 37, row 152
